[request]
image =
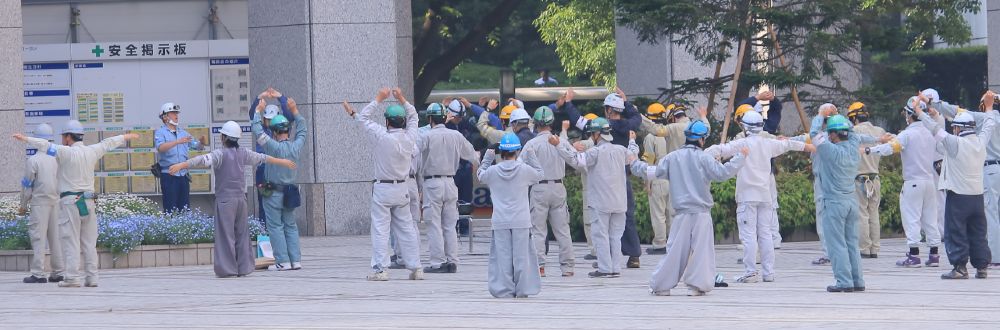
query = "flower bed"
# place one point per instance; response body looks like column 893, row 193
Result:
column 124, row 222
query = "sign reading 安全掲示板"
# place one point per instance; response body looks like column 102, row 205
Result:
column 133, row 50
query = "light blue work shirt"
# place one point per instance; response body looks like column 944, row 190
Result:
column 287, row 149
column 178, row 153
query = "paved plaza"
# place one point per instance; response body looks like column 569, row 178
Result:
column 330, row 292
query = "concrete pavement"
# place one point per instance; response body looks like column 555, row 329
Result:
column 330, row 292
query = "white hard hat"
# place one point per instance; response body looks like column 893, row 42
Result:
column 615, row 101
column 43, row 131
column 169, row 107
column 910, row 110
column 519, row 114
column 517, row 103
column 753, row 118
column 964, row 120
column 73, row 127
column 271, row 110
column 456, row 107
column 931, row 94
column 231, row 129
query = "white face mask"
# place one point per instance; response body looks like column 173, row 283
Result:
column 172, row 122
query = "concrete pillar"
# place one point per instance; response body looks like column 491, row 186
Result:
column 323, row 52
column 11, row 95
column 993, row 32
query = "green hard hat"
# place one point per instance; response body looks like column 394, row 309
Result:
column 395, row 111
column 837, row 123
column 435, row 109
column 544, row 115
column 599, row 124
column 279, row 123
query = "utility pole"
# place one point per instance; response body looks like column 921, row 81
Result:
column 74, row 22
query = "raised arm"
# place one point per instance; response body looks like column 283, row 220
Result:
column 488, row 160
column 491, row 134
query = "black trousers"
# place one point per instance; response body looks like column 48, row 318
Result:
column 965, row 230
column 630, row 239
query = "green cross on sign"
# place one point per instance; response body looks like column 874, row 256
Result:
column 97, row 50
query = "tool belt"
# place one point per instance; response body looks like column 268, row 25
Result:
column 290, row 193
column 81, row 200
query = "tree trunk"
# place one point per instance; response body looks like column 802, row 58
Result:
column 439, row 68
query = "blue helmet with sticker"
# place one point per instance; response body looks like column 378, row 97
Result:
column 510, row 142
column 696, row 130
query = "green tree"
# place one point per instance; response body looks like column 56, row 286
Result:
column 583, row 33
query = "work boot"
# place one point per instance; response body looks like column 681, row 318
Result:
column 452, row 267
column 981, row 273
column 633, row 262
column 35, row 279
column 957, row 273
column 933, row 260
column 417, row 274
column 911, row 261
column 834, row 288
column 821, row 261
column 378, row 276
column 656, row 251
column 590, row 256
column 55, row 278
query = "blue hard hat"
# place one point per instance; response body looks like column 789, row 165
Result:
column 510, row 142
column 435, row 110
column 696, row 130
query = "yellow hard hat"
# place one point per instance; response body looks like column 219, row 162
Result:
column 676, row 109
column 506, row 111
column 742, row 109
column 590, row 116
column 655, row 110
column 855, row 109
column 855, row 106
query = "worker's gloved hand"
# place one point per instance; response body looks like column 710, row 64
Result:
column 495, row 147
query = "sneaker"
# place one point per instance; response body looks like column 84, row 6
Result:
column 443, row 268
column 567, row 274
column 656, row 251
column 720, row 281
column 541, row 271
column 35, row 279
column 933, row 260
column 55, row 278
column 911, row 261
column 834, row 288
column 378, row 276
column 280, row 267
column 590, row 256
column 69, row 284
column 633, row 262
column 821, row 261
column 768, row 278
column 616, row 274
column 417, row 274
column 296, row 265
column 957, row 273
column 866, row 256
column 598, row 273
column 659, row 293
column 452, row 267
column 748, row 278
column 981, row 273
column 695, row 292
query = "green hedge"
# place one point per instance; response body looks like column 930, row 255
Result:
column 796, row 211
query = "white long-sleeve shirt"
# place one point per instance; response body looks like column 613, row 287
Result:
column 753, row 182
column 918, row 151
column 964, row 155
column 40, row 184
column 76, row 162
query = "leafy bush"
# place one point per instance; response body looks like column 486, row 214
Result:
column 119, row 205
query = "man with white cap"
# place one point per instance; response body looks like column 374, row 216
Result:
column 918, row 202
column 39, row 189
column 991, row 167
column 78, row 220
column 455, row 120
column 172, row 143
column 270, row 111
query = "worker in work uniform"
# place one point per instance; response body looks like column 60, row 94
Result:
column 869, row 187
column 622, row 118
column 78, row 217
column 965, row 233
column 512, row 268
column 270, row 111
column 39, row 190
column 491, row 133
column 441, row 149
column 775, row 234
column 587, row 215
column 172, row 143
column 280, row 194
column 232, row 255
column 413, row 186
column 754, row 196
column 606, row 183
column 839, row 165
column 663, row 137
column 691, row 256
column 918, row 202
column 390, row 209
column 520, row 124
column 815, row 137
column 991, row 168
column 548, row 197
